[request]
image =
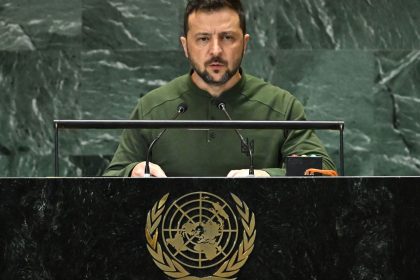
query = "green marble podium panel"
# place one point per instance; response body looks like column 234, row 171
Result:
column 356, row 61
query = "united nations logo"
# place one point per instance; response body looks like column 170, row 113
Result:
column 200, row 233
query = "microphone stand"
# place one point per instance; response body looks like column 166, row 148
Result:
column 222, row 107
column 180, row 110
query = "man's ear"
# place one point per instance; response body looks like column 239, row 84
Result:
column 246, row 40
column 184, row 45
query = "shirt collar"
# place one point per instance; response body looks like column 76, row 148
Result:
column 230, row 94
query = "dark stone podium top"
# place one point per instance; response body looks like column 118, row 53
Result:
column 295, row 228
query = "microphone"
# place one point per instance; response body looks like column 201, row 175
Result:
column 222, row 107
column 182, row 108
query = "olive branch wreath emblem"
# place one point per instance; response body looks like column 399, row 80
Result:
column 174, row 269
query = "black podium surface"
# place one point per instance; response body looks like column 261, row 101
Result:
column 293, row 228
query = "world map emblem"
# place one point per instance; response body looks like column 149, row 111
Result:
column 200, row 233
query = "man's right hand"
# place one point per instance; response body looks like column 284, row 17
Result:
column 155, row 170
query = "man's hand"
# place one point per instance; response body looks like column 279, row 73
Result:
column 155, row 170
column 245, row 173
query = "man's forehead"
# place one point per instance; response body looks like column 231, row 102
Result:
column 220, row 20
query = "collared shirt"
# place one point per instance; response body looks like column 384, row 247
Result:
column 182, row 152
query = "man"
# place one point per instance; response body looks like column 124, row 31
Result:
column 215, row 42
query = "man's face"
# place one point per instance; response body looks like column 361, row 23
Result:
column 215, row 44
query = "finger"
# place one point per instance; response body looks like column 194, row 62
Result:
column 261, row 173
column 232, row 173
column 138, row 170
column 156, row 171
column 242, row 173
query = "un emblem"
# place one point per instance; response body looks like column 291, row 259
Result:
column 200, row 233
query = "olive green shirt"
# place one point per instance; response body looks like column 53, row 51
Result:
column 191, row 153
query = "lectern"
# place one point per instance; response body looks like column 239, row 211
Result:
column 210, row 228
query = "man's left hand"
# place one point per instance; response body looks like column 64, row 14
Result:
column 245, row 173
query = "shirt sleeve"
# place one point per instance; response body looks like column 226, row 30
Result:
column 131, row 150
column 300, row 142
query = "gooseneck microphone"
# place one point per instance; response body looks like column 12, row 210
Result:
column 182, row 108
column 221, row 105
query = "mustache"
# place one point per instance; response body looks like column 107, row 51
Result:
column 215, row 60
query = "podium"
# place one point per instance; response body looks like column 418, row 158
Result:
column 286, row 228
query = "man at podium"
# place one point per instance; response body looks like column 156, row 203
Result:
column 217, row 88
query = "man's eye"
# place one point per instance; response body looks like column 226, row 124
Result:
column 203, row 39
column 228, row 37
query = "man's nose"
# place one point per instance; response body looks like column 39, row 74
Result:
column 216, row 48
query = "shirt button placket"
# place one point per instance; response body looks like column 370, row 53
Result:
column 211, row 133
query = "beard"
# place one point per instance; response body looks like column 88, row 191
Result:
column 206, row 76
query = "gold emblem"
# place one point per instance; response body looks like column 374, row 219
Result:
column 200, row 233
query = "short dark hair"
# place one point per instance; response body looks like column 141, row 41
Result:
column 214, row 5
